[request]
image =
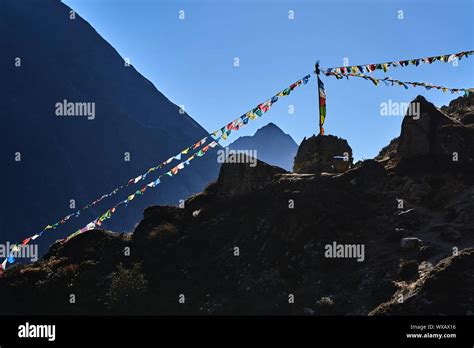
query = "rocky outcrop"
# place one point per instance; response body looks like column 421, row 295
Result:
column 447, row 289
column 237, row 179
column 461, row 108
column 259, row 234
column 420, row 133
column 318, row 154
column 388, row 151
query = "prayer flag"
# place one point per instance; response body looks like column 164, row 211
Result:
column 322, row 105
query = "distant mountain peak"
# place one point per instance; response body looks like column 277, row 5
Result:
column 272, row 144
column 270, row 125
column 269, row 128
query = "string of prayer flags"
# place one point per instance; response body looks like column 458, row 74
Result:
column 368, row 68
column 217, row 135
column 152, row 184
column 322, row 105
column 387, row 81
column 321, row 98
column 3, row 265
column 108, row 214
column 129, row 183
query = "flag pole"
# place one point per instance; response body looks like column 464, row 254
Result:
column 317, row 71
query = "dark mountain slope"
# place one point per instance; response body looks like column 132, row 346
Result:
column 66, row 158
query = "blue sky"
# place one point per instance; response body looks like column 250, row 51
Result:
column 191, row 61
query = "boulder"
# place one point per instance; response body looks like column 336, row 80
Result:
column 427, row 251
column 410, row 243
column 419, row 135
column 319, row 154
